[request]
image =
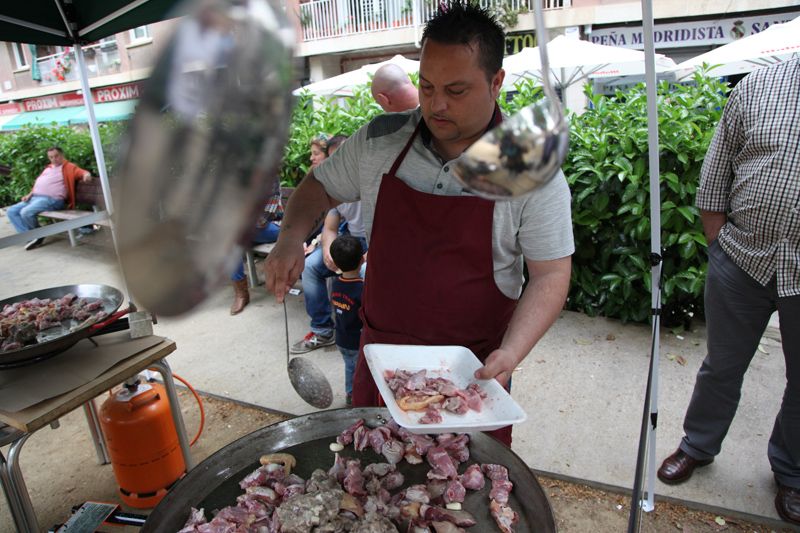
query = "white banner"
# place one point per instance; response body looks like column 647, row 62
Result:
column 686, row 34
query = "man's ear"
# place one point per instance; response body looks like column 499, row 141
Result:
column 382, row 100
column 497, row 82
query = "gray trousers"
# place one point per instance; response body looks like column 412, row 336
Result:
column 738, row 310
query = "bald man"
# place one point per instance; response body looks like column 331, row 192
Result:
column 393, row 90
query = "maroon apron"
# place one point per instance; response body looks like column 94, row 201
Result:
column 430, row 277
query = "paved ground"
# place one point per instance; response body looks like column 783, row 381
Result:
column 582, row 386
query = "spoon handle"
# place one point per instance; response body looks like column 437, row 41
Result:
column 286, row 327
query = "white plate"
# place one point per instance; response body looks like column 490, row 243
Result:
column 456, row 363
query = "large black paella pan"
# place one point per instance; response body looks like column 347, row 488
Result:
column 214, row 483
column 65, row 333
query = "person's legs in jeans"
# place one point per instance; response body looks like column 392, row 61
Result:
column 267, row 234
column 737, row 312
column 23, row 214
column 784, row 444
column 15, row 217
column 350, row 357
column 315, row 291
column 241, row 293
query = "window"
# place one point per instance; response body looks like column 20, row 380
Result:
column 140, row 33
column 19, row 55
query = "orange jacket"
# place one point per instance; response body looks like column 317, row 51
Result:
column 72, row 173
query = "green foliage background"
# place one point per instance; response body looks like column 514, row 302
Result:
column 608, row 173
column 607, row 170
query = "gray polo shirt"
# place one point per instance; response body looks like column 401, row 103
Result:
column 538, row 226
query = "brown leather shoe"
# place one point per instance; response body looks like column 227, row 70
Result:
column 787, row 503
column 241, row 296
column 679, row 467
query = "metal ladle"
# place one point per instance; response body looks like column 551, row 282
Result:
column 526, row 150
column 203, row 150
column 307, row 380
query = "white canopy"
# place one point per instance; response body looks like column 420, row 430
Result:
column 779, row 42
column 572, row 60
column 342, row 85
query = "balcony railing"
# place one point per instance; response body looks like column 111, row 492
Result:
column 101, row 59
column 326, row 19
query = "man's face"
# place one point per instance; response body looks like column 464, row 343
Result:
column 56, row 158
column 456, row 99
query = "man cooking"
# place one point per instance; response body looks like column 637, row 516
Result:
column 445, row 267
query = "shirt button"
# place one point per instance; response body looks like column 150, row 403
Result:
column 447, row 169
column 438, row 185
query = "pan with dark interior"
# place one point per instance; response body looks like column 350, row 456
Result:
column 214, row 483
column 55, row 340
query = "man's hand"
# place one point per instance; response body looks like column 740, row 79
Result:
column 499, row 365
column 536, row 311
column 327, row 259
column 283, row 267
column 27, row 197
column 87, row 178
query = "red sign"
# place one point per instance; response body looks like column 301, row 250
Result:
column 9, row 109
column 69, row 99
column 40, row 104
column 112, row 93
column 115, row 93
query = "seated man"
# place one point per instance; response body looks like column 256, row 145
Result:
column 53, row 189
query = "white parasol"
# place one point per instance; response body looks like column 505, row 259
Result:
column 778, row 43
column 342, row 85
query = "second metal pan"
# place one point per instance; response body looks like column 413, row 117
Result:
column 53, row 340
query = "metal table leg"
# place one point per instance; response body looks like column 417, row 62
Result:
column 12, row 497
column 17, row 483
column 90, row 410
column 166, row 374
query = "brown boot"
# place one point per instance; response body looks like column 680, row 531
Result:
column 241, row 296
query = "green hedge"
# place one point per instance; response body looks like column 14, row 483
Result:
column 607, row 170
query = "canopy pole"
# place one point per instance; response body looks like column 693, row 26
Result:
column 99, row 156
column 94, row 132
column 647, row 438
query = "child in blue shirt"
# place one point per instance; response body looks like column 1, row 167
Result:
column 347, row 253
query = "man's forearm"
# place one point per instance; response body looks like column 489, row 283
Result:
column 307, row 208
column 539, row 306
column 712, row 223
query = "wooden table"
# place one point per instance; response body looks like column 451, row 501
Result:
column 35, row 417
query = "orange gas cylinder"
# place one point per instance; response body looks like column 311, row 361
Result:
column 142, row 443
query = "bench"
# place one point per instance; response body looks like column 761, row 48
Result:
column 262, row 249
column 86, row 194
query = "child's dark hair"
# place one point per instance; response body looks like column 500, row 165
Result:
column 346, row 252
column 465, row 22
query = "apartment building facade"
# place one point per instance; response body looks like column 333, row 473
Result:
column 342, row 35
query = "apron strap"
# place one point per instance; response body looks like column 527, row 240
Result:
column 403, row 153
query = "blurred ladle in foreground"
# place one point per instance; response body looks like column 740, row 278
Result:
column 202, row 151
column 526, row 150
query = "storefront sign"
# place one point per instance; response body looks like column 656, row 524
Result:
column 515, row 42
column 40, row 104
column 116, row 93
column 9, row 109
column 685, row 34
column 112, row 93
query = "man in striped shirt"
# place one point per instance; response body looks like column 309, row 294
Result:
column 749, row 201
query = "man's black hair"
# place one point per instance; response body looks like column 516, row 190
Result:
column 57, row 149
column 346, row 252
column 465, row 22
